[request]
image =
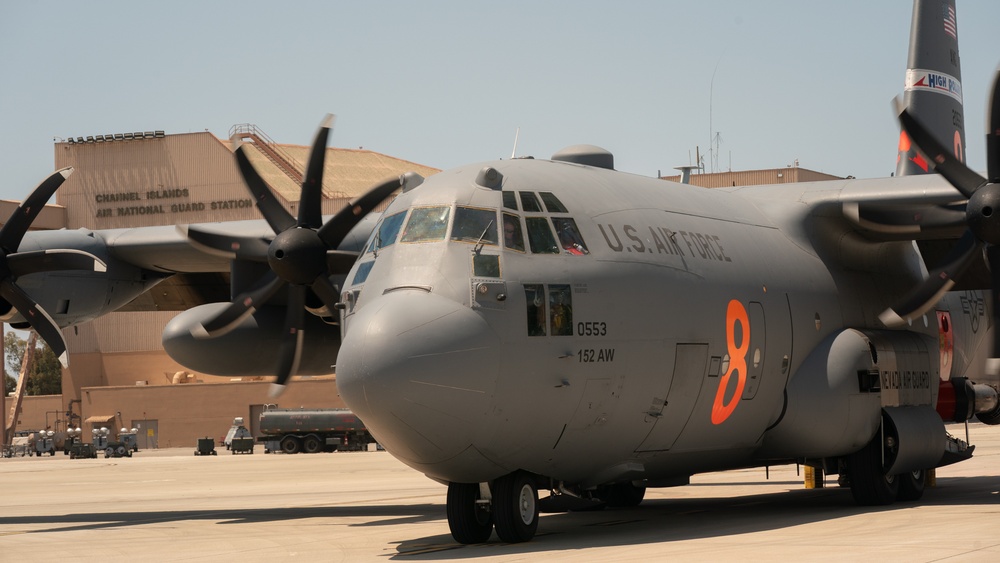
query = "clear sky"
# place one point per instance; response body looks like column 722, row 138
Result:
column 445, row 83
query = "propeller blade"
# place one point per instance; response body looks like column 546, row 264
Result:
column 936, row 285
column 940, row 158
column 272, row 210
column 291, row 344
column 36, row 316
column 242, row 307
column 311, row 198
column 340, row 261
column 227, row 246
column 334, row 231
column 993, row 133
column 327, row 292
column 992, row 366
column 24, row 263
column 22, row 217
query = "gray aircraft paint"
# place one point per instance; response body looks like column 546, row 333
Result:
column 652, row 300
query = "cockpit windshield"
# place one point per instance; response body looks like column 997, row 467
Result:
column 513, row 239
column 569, row 236
column 475, row 225
column 387, row 231
column 426, row 224
column 540, row 237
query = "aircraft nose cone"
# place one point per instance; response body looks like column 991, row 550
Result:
column 420, row 371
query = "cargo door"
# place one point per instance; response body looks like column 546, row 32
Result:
column 690, row 362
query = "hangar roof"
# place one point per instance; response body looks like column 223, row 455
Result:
column 347, row 172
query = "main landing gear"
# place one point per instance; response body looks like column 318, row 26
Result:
column 510, row 504
column 512, row 508
column 871, row 486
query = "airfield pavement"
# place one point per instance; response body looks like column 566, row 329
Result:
column 170, row 505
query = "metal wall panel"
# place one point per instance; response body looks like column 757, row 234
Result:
column 193, row 178
column 176, row 179
column 755, row 177
column 119, row 332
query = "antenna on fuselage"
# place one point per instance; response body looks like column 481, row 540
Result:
column 513, row 152
column 686, row 172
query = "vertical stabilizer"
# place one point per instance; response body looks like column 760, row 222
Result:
column 933, row 88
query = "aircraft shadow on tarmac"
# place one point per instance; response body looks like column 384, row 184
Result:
column 657, row 520
column 676, row 519
column 401, row 514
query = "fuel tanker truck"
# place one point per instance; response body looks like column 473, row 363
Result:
column 312, row 430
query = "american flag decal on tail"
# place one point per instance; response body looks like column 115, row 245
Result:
column 950, row 24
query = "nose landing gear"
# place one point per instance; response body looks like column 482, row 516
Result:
column 512, row 509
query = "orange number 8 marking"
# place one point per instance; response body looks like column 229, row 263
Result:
column 737, row 362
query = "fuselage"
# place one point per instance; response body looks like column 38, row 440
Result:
column 621, row 327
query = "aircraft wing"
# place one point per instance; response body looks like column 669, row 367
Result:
column 913, row 208
column 923, row 209
column 167, row 249
column 879, row 210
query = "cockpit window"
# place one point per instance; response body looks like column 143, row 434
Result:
column 361, row 275
column 534, row 298
column 540, row 237
column 513, row 237
column 509, row 200
column 475, row 225
column 426, row 224
column 569, row 236
column 552, row 203
column 387, row 231
column 561, row 310
column 529, row 202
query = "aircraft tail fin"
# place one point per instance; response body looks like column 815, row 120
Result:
column 933, row 88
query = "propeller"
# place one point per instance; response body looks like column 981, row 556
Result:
column 982, row 218
column 14, row 264
column 302, row 255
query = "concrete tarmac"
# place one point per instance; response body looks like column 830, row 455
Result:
column 170, row 505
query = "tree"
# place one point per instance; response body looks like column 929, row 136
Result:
column 46, row 373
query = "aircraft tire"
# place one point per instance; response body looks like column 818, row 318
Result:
column 469, row 523
column 870, row 486
column 911, row 485
column 291, row 445
column 515, row 507
column 311, row 445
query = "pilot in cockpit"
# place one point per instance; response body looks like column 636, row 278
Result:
column 513, row 239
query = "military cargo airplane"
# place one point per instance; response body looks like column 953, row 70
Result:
column 524, row 325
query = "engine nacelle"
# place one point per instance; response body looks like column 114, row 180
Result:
column 828, row 412
column 251, row 348
column 835, row 401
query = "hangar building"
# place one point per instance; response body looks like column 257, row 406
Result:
column 119, row 375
